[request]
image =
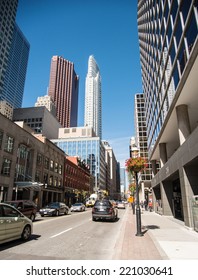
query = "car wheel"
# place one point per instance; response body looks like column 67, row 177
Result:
column 32, row 217
column 42, row 215
column 66, row 212
column 93, row 219
column 26, row 233
column 57, row 213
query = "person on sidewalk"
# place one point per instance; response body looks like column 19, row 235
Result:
column 145, row 205
column 150, row 205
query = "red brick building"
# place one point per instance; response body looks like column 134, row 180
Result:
column 77, row 180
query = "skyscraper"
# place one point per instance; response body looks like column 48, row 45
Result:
column 93, row 98
column 16, row 69
column 168, row 53
column 63, row 88
column 8, row 11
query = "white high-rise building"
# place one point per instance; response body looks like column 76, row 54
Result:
column 47, row 102
column 93, row 98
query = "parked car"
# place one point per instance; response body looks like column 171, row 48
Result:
column 54, row 209
column 26, row 207
column 104, row 209
column 120, row 204
column 13, row 224
column 77, row 207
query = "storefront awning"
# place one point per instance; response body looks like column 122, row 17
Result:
column 35, row 186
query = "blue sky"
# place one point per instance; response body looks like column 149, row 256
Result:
column 75, row 30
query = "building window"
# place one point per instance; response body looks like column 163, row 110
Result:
column 56, row 167
column 184, row 8
column 9, row 144
column 51, row 165
column 55, row 182
column 46, row 163
column 182, row 58
column 1, row 138
column 60, row 169
column 39, row 159
column 51, row 180
column 191, row 32
column 174, row 9
column 6, row 167
column 178, row 31
column 38, row 176
column 175, row 76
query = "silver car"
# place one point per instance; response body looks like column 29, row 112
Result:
column 78, row 207
column 13, row 224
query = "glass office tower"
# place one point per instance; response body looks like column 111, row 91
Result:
column 63, row 89
column 91, row 151
column 167, row 36
column 8, row 10
column 14, row 83
column 167, row 32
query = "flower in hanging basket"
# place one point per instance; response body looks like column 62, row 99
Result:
column 136, row 164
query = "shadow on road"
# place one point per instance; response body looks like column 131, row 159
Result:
column 14, row 243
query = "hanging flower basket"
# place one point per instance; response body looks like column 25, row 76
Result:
column 136, row 164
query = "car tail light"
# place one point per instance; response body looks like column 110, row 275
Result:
column 110, row 210
column 93, row 209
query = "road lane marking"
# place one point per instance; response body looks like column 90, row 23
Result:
column 61, row 232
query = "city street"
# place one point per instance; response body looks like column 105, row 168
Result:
column 74, row 236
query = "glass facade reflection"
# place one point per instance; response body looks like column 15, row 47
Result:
column 167, row 34
column 89, row 150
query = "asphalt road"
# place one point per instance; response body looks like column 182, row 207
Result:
column 71, row 237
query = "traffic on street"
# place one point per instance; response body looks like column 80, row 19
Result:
column 72, row 236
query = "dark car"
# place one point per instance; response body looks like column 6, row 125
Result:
column 26, row 207
column 54, row 209
column 104, row 209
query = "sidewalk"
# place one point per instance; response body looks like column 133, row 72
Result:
column 164, row 238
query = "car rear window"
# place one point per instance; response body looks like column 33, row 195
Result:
column 102, row 203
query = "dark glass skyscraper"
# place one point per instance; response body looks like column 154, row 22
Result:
column 63, row 88
column 8, row 11
column 16, row 69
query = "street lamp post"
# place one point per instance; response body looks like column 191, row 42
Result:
column 134, row 165
column 135, row 154
column 138, row 210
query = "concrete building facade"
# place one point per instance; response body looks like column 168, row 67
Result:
column 168, row 53
column 38, row 119
column 31, row 167
column 47, row 102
